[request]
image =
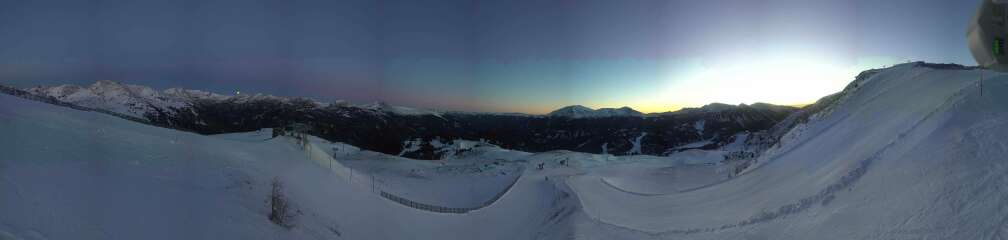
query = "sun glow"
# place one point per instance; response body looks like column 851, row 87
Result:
column 792, row 80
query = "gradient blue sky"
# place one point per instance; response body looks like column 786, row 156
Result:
column 508, row 55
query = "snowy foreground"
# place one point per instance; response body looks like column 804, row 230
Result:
column 910, row 153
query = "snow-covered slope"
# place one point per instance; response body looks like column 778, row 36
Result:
column 578, row 111
column 912, row 152
column 69, row 174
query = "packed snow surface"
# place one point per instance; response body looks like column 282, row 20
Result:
column 909, row 153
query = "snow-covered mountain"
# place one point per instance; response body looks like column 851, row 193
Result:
column 131, row 100
column 398, row 110
column 147, row 103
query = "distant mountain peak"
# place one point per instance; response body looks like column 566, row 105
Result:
column 575, row 108
column 717, row 107
column 579, row 111
column 377, row 105
column 105, row 82
column 384, row 107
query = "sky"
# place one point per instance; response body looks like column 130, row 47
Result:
column 497, row 56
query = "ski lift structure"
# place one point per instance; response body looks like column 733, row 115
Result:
column 986, row 36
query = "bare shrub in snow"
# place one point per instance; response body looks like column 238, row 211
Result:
column 280, row 213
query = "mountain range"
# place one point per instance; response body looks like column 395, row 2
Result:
column 418, row 133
